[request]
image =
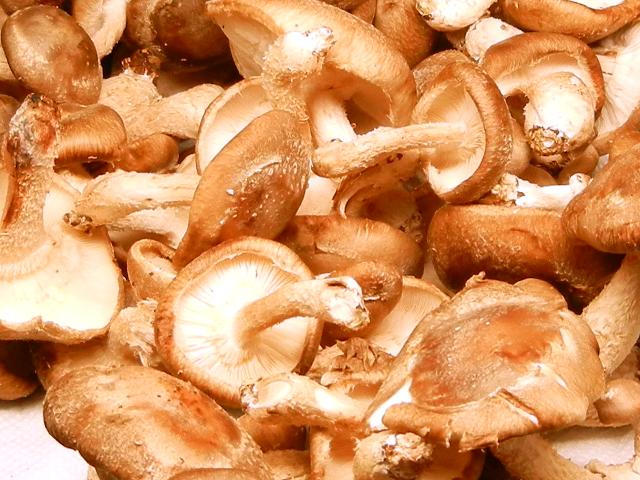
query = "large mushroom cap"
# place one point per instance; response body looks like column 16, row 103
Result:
column 33, row 39
column 195, row 318
column 136, row 422
column 362, row 66
column 496, row 361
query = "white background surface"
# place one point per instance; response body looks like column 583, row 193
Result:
column 27, row 451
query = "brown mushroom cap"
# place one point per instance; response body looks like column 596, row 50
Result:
column 215, row 474
column 273, row 436
column 193, row 326
column 131, row 421
column 512, row 243
column 361, row 67
column 254, row 186
column 329, row 242
column 464, row 171
column 429, row 68
column 569, row 17
column 494, row 362
column 33, row 38
column 17, row 376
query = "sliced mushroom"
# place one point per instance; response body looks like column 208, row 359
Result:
column 328, row 243
column 157, row 426
column 544, row 67
column 496, row 361
column 55, row 283
column 17, row 376
column 512, row 243
column 222, row 322
column 587, row 20
column 32, row 39
column 253, row 187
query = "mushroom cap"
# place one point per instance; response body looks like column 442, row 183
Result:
column 33, row 39
column 76, row 292
column 137, row 422
column 518, row 60
column 149, row 268
column 330, row 242
column 254, row 186
column 103, row 20
column 569, row 17
column 361, row 67
column 496, row 361
column 429, row 68
column 513, row 243
column 215, row 474
column 227, row 116
column 195, row 316
column 603, row 215
column 17, row 377
column 465, row 171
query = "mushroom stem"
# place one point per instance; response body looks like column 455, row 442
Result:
column 335, row 300
column 339, row 158
column 298, row 400
column 614, row 315
column 32, row 141
column 329, row 121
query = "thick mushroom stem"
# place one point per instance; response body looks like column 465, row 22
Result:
column 335, row 300
column 556, row 126
column 32, row 141
column 340, row 158
column 298, row 400
column 614, row 315
column 292, row 60
column 329, row 121
column 445, row 15
column 390, row 455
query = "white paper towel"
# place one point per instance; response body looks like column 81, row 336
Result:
column 27, row 451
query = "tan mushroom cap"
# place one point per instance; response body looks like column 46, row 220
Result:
column 55, row 283
column 513, row 243
column 215, row 474
column 194, row 319
column 136, row 422
column 254, row 186
column 149, row 268
column 32, row 40
column 429, row 68
column 361, row 67
column 227, row 116
column 103, row 20
column 329, row 242
column 274, row 436
column 464, row 171
column 17, row 377
column 154, row 153
column 534, row 366
column 603, row 216
column 569, row 17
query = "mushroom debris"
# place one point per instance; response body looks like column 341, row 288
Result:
column 393, row 238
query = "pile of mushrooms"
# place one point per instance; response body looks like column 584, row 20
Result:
column 338, row 239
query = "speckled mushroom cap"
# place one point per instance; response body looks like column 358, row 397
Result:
column 513, row 243
column 361, row 67
column 496, row 361
column 574, row 18
column 139, row 423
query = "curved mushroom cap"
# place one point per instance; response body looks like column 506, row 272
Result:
column 149, row 268
column 464, row 171
column 418, row 298
column 17, row 377
column 512, row 243
column 103, row 20
column 524, row 65
column 579, row 18
column 56, row 283
column 361, row 67
column 227, row 116
column 329, row 242
column 496, row 361
column 195, row 317
column 429, row 68
column 136, row 422
column 604, row 214
column 254, row 186
column 619, row 56
column 32, row 39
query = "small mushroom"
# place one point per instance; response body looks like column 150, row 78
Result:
column 55, row 283
column 223, row 320
column 494, row 362
column 254, row 186
column 32, row 39
column 137, row 422
column 17, row 377
column 330, row 242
